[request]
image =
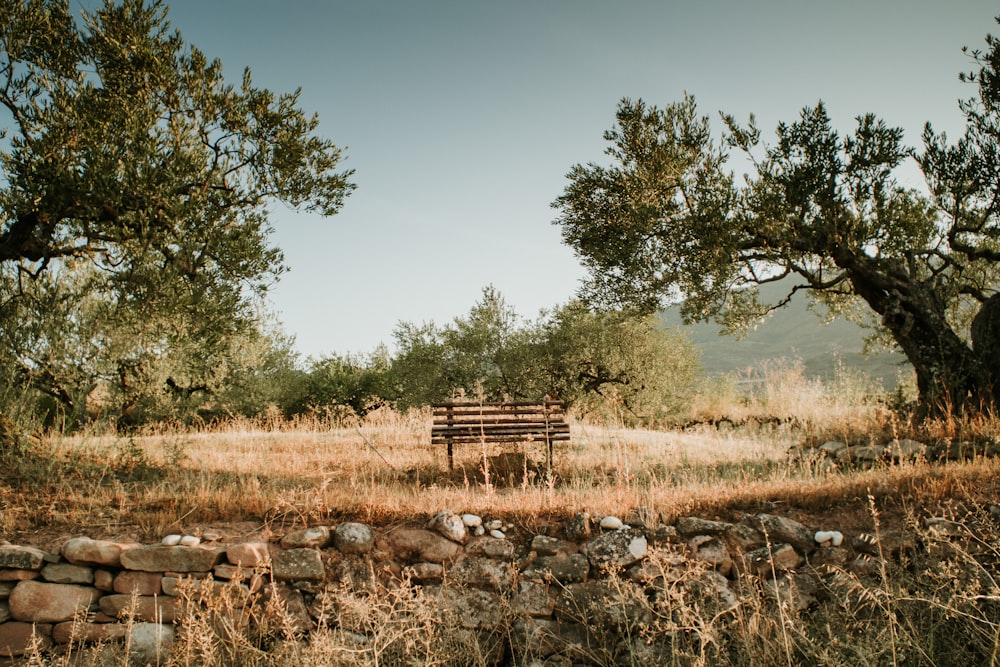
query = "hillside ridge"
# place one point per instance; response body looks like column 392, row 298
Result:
column 794, row 333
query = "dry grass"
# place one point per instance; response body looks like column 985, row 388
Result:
column 383, row 470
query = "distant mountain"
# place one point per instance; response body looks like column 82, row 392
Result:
column 792, row 333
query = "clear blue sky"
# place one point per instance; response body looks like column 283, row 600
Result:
column 462, row 118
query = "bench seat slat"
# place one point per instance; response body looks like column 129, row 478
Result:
column 498, row 441
column 438, row 414
column 531, row 426
column 533, row 421
column 489, row 433
column 488, row 425
column 557, row 437
column 495, row 404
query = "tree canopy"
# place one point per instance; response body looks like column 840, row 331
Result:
column 133, row 195
column 668, row 218
column 605, row 364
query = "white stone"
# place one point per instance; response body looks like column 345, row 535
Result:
column 617, row 548
column 449, row 525
column 317, row 537
column 479, row 531
column 190, row 541
column 834, row 537
column 171, row 540
column 611, row 523
column 493, row 524
column 472, row 520
column 353, row 538
column 498, row 534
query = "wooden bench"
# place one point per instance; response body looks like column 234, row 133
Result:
column 465, row 422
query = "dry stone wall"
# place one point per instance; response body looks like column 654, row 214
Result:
column 836, row 454
column 552, row 585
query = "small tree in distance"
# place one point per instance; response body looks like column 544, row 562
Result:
column 668, row 219
column 604, row 364
column 487, row 353
column 619, row 366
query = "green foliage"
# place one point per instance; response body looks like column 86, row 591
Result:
column 264, row 373
column 169, row 356
column 421, row 368
column 612, row 364
column 134, row 235
column 477, row 355
column 606, row 364
column 667, row 218
column 128, row 146
column 361, row 383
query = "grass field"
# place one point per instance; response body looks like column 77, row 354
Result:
column 382, row 469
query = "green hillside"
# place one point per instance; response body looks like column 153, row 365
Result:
column 792, row 333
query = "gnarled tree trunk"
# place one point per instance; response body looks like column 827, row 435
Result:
column 986, row 341
column 952, row 377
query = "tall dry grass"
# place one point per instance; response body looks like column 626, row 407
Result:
column 383, row 469
column 273, row 474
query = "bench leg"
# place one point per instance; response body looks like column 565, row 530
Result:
column 451, row 458
column 548, row 458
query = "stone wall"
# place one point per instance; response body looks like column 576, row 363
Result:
column 549, row 584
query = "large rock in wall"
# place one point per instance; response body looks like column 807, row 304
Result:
column 16, row 637
column 41, row 602
column 21, row 558
column 85, row 551
column 161, row 558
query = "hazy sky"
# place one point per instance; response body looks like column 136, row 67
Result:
column 462, row 118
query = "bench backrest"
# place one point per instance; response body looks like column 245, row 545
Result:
column 465, row 422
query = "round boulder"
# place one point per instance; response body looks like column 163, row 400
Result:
column 39, row 602
column 353, row 538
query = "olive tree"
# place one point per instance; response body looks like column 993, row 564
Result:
column 612, row 364
column 131, row 164
column 362, row 383
column 479, row 354
column 669, row 219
